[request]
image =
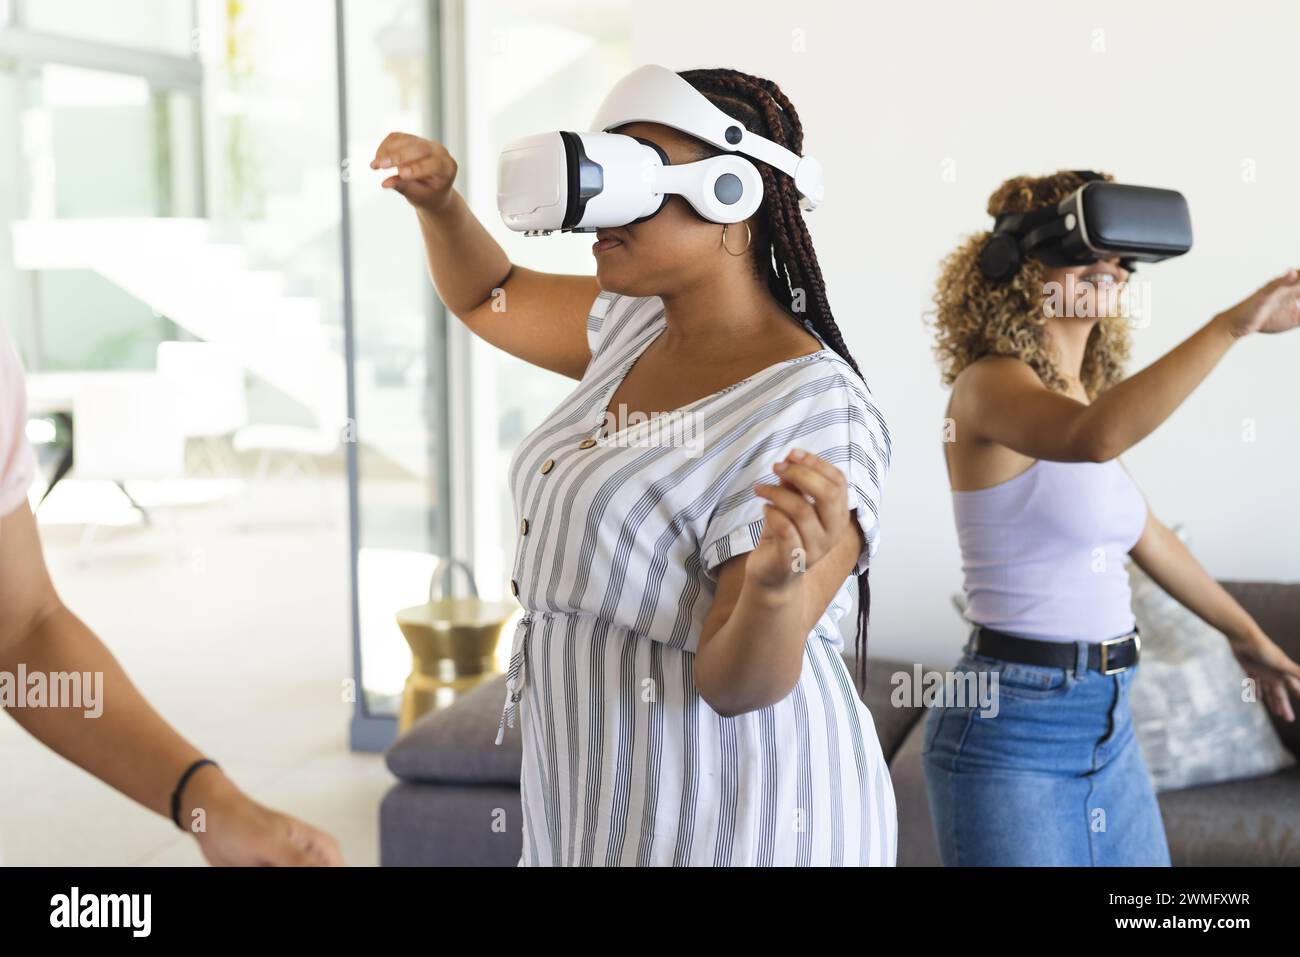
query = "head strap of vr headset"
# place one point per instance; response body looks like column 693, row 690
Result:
column 1039, row 225
column 655, row 94
column 1029, row 223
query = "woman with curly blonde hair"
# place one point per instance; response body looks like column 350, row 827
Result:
column 1046, row 517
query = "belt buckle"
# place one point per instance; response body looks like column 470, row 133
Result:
column 1105, row 652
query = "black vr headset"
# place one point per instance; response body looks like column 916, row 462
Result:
column 1099, row 220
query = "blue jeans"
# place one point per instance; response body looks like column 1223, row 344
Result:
column 1054, row 778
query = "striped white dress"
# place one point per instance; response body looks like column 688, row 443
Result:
column 620, row 538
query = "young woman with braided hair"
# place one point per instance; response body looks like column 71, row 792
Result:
column 677, row 675
column 782, row 247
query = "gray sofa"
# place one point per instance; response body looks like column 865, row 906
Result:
column 456, row 800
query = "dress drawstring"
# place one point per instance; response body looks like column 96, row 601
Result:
column 515, row 676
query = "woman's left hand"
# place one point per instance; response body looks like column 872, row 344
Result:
column 797, row 532
column 1272, row 671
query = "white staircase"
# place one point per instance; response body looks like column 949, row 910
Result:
column 206, row 287
column 184, row 271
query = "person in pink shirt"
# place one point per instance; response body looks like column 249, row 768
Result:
column 127, row 745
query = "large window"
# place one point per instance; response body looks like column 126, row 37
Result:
column 142, row 166
column 100, row 131
column 172, row 170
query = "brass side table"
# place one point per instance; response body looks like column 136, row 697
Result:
column 453, row 643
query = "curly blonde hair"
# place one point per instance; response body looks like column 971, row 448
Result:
column 975, row 317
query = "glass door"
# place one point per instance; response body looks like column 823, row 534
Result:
column 388, row 68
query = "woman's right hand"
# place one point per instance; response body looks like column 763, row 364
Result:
column 1273, row 308
column 423, row 170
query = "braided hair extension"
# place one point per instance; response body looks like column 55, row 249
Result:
column 782, row 247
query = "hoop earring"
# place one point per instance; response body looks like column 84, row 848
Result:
column 749, row 238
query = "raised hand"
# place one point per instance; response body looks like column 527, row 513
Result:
column 1273, row 308
column 1276, row 675
column 423, row 171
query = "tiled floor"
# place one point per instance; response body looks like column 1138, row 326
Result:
column 233, row 620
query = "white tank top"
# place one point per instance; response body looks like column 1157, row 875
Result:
column 1044, row 553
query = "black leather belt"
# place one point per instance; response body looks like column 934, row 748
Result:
column 1109, row 657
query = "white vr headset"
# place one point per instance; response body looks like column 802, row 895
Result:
column 581, row 182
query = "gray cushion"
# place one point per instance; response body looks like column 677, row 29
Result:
column 457, row 743
column 1250, row 822
column 450, row 825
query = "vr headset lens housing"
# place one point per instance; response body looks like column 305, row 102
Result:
column 557, row 181
column 581, row 182
column 1132, row 222
column 1100, row 220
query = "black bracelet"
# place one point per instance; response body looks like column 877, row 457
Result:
column 180, row 786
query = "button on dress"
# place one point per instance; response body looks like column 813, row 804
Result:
column 626, row 525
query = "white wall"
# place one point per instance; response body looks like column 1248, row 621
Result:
column 1182, row 95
